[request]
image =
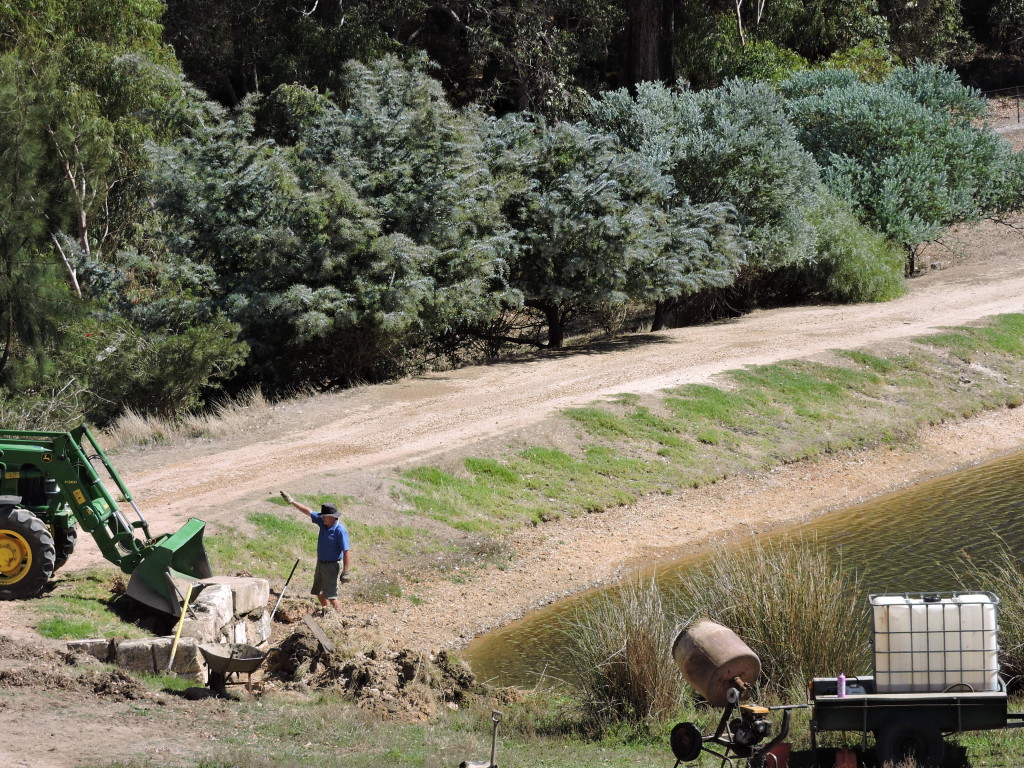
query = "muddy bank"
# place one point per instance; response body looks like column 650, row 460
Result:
column 568, row 556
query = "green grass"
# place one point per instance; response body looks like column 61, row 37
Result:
column 760, row 417
column 279, row 541
column 80, row 607
column 540, row 731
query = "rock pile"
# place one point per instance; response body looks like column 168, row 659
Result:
column 228, row 609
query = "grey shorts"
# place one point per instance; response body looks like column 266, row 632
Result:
column 325, row 578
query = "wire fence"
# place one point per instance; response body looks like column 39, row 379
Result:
column 1007, row 104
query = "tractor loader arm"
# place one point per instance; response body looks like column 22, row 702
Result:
column 63, row 487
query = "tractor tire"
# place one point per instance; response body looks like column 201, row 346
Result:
column 27, row 554
column 911, row 737
column 64, row 540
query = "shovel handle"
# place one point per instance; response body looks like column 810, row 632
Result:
column 281, row 596
column 181, row 623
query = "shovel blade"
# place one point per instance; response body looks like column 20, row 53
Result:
column 158, row 579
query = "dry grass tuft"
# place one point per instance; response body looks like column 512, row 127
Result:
column 228, row 418
column 621, row 663
column 792, row 603
column 1002, row 576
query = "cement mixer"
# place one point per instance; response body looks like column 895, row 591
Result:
column 724, row 670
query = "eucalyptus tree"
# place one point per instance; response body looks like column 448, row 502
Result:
column 350, row 248
column 30, row 282
column 1007, row 22
column 597, row 225
column 87, row 84
column 910, row 153
column 732, row 144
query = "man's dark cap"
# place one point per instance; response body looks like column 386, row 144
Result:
column 329, row 509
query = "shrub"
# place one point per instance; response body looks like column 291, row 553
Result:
column 868, row 60
column 906, row 152
column 353, row 253
column 733, row 144
column 791, row 603
column 854, row 263
column 620, row 654
column 595, row 225
column 767, row 61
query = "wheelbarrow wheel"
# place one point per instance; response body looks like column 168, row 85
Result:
column 911, row 737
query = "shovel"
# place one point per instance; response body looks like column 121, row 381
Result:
column 495, row 718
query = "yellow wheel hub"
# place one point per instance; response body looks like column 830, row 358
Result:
column 15, row 557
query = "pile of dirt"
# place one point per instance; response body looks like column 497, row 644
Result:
column 394, row 684
column 43, row 669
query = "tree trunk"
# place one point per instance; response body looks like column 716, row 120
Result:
column 9, row 330
column 556, row 328
column 649, row 49
column 659, row 316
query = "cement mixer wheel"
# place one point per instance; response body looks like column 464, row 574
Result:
column 27, row 554
column 911, row 737
column 686, row 742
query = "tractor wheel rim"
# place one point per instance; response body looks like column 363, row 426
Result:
column 15, row 557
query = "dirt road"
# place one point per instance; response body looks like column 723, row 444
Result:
column 414, row 420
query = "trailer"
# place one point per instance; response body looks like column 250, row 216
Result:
column 936, row 673
column 904, row 724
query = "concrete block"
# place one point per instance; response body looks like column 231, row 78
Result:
column 101, row 648
column 203, row 628
column 241, row 634
column 217, row 601
column 259, row 627
column 188, row 661
column 248, row 593
column 136, row 655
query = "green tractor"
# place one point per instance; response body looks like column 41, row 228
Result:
column 49, row 488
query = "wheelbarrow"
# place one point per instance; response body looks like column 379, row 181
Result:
column 224, row 659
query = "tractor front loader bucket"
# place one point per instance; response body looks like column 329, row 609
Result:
column 178, row 559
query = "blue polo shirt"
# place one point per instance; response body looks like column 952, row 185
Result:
column 332, row 543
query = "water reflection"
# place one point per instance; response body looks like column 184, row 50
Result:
column 910, row 541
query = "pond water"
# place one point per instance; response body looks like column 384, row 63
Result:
column 909, row 541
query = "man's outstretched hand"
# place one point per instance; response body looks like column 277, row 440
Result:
column 287, row 498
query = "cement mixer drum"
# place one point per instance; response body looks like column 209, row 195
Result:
column 711, row 657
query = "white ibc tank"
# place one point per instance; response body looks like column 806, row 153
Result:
column 934, row 643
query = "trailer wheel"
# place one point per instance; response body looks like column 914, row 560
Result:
column 27, row 554
column 64, row 540
column 911, row 736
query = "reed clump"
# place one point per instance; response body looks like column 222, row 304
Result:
column 620, row 657
column 1002, row 576
column 792, row 603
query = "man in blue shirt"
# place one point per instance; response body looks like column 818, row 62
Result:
column 332, row 551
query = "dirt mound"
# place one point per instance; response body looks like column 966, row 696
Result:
column 114, row 685
column 11, row 649
column 45, row 669
column 396, row 684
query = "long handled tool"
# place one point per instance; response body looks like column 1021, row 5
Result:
column 181, row 623
column 281, row 596
column 495, row 718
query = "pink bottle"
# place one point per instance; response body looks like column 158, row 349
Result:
column 841, row 686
